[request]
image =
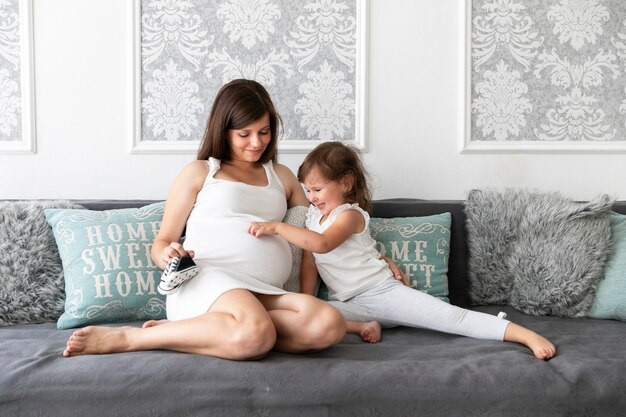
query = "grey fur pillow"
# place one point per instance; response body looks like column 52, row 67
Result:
column 31, row 275
column 538, row 252
column 295, row 216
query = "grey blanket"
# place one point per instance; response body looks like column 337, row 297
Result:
column 412, row 372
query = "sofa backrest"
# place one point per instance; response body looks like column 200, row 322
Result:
column 397, row 207
column 459, row 253
column 113, row 204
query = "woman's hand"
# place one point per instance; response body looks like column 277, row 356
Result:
column 397, row 272
column 258, row 229
column 173, row 250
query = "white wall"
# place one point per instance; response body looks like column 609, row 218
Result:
column 84, row 114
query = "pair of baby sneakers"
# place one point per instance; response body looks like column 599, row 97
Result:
column 178, row 271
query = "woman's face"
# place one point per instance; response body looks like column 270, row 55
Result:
column 248, row 143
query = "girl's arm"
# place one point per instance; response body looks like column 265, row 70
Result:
column 308, row 274
column 180, row 201
column 346, row 224
column 396, row 271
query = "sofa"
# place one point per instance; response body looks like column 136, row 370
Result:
column 411, row 372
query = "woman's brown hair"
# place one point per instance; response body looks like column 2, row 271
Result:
column 238, row 104
column 337, row 161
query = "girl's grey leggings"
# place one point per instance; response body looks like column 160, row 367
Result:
column 394, row 304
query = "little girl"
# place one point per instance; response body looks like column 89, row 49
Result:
column 338, row 245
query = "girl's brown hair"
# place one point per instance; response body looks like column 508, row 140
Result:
column 337, row 161
column 238, row 104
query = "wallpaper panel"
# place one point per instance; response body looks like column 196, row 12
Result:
column 10, row 75
column 548, row 71
column 304, row 53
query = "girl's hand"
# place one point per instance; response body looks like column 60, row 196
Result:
column 173, row 250
column 397, row 272
column 257, row 229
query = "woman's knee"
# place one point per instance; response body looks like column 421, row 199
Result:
column 253, row 339
column 328, row 327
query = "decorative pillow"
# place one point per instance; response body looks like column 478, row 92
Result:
column 109, row 274
column 295, row 216
column 31, row 275
column 538, row 252
column 421, row 248
column 419, row 245
column 610, row 301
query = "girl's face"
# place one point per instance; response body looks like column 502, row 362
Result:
column 248, row 143
column 325, row 195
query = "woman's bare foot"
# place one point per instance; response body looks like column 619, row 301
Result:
column 370, row 332
column 542, row 348
column 94, row 340
column 152, row 323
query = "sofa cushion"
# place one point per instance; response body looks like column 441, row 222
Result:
column 295, row 216
column 421, row 248
column 31, row 275
column 458, row 284
column 109, row 274
column 538, row 252
column 419, row 245
column 610, row 301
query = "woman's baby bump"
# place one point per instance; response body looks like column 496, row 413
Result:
column 227, row 244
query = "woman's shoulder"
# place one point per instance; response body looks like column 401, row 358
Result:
column 283, row 171
column 293, row 190
column 200, row 164
column 195, row 172
column 196, row 167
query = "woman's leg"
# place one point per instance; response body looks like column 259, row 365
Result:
column 237, row 326
column 303, row 322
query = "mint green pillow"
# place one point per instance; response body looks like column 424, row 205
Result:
column 610, row 298
column 109, row 274
column 420, row 246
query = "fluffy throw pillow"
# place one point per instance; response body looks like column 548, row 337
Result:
column 421, row 248
column 295, row 216
column 610, row 301
column 109, row 274
column 31, row 275
column 538, row 252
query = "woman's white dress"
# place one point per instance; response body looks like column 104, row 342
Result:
column 227, row 256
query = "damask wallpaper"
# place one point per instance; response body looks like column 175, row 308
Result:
column 548, row 71
column 10, row 91
column 304, row 53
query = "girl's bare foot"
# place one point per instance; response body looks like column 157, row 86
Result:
column 152, row 323
column 94, row 340
column 542, row 348
column 370, row 332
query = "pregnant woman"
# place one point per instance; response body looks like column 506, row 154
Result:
column 235, row 308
